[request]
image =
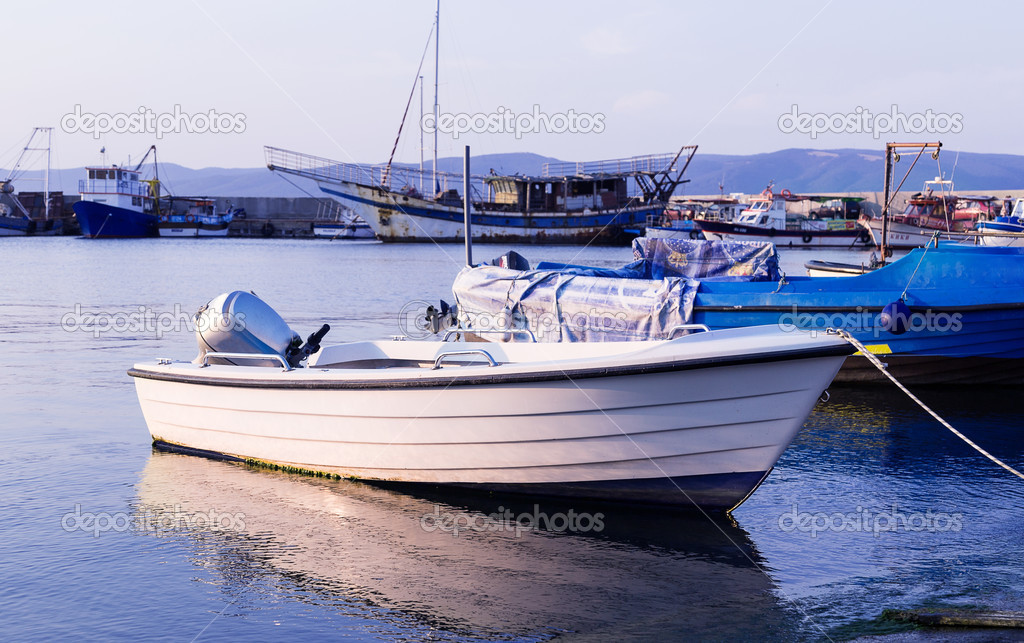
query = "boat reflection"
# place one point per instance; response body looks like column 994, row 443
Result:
column 466, row 567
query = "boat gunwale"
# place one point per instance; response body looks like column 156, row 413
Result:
column 486, row 379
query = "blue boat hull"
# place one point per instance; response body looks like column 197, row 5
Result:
column 967, row 305
column 20, row 226
column 99, row 220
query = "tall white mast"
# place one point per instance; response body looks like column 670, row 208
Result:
column 421, row 135
column 437, row 111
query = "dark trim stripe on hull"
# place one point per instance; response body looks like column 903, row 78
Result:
column 484, row 379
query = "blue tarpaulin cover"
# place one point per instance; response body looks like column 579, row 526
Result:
column 643, row 300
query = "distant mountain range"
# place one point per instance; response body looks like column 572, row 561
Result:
column 798, row 170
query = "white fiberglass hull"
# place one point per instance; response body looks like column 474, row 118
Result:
column 185, row 231
column 342, row 231
column 902, row 235
column 698, row 420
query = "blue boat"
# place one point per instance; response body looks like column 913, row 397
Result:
column 117, row 204
column 955, row 313
column 1006, row 230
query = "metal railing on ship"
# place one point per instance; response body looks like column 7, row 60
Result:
column 646, row 164
column 324, row 169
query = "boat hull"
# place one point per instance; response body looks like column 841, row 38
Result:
column 22, row 227
column 818, row 268
column 673, row 233
column 342, row 231
column 967, row 305
column 702, row 432
column 99, row 220
column 902, row 235
column 996, row 233
column 192, row 230
column 398, row 217
column 725, row 231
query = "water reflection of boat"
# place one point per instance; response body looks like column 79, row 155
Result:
column 372, row 552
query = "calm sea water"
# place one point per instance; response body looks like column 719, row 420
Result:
column 875, row 506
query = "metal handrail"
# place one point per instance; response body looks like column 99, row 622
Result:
column 272, row 356
column 475, row 351
column 646, row 163
column 701, row 327
column 520, row 331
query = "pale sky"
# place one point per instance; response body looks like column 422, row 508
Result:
column 332, row 78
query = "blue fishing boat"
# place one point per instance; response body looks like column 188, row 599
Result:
column 117, row 203
column 942, row 314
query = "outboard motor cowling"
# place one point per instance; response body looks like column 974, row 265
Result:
column 241, row 322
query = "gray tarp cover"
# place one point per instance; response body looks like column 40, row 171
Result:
column 643, row 300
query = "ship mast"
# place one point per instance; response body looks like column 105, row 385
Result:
column 437, row 114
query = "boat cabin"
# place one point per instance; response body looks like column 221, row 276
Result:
column 555, row 194
column 117, row 187
column 766, row 210
column 978, row 208
column 846, row 207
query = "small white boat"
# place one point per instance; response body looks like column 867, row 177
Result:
column 700, row 419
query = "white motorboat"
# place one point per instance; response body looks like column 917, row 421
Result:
column 700, row 419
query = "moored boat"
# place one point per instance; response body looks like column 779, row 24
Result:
column 697, row 420
column 117, row 203
column 951, row 314
column 928, row 215
column 768, row 219
column 1004, row 230
column 336, row 222
column 38, row 213
column 199, row 218
column 591, row 202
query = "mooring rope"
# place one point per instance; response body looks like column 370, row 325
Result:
column 881, row 367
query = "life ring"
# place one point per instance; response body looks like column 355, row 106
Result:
column 767, row 193
column 786, row 194
column 807, row 238
column 189, row 218
column 694, row 234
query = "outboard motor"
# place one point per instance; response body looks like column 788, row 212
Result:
column 241, row 322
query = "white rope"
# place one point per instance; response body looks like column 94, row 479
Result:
column 880, row 366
